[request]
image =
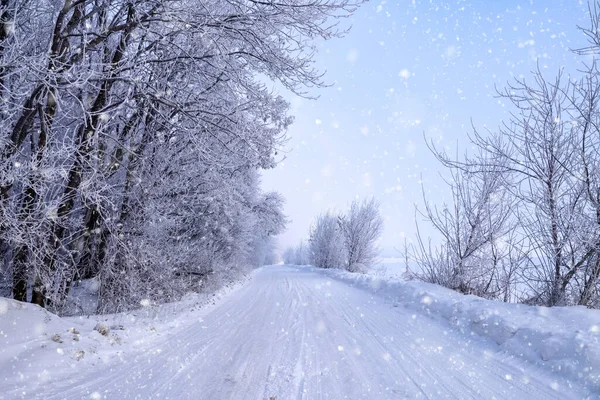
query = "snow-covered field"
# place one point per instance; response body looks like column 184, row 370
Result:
column 302, row 333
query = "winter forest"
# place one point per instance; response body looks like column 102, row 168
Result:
column 132, row 134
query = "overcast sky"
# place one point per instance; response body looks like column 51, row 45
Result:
column 409, row 70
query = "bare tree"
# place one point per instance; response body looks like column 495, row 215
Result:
column 538, row 148
column 472, row 256
column 547, row 154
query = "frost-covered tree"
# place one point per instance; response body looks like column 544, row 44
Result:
column 131, row 134
column 473, row 254
column 360, row 227
column 326, row 244
column 539, row 147
column 302, row 254
column 288, row 255
column 547, row 155
column 536, row 154
column 297, row 255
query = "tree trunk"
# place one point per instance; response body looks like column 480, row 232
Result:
column 85, row 134
column 38, row 294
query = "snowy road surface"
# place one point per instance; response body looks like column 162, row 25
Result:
column 293, row 333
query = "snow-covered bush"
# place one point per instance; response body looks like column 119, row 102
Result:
column 346, row 241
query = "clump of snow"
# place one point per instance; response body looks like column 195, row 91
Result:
column 102, row 329
column 78, row 355
column 56, row 338
column 565, row 340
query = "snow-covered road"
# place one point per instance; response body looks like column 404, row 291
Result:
column 293, row 333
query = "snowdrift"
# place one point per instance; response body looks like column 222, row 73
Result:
column 36, row 344
column 38, row 348
column 563, row 339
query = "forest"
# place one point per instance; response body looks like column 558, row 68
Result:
column 132, row 134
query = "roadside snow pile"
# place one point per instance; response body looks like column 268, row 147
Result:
column 35, row 345
column 564, row 339
column 38, row 347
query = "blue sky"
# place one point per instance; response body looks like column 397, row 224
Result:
column 408, row 70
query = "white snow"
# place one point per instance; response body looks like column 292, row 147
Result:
column 302, row 333
column 389, row 268
column 565, row 340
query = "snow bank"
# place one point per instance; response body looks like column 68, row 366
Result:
column 36, row 345
column 38, row 348
column 563, row 339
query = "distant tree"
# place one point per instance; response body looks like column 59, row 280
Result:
column 301, row 254
column 360, row 229
column 297, row 255
column 270, row 254
column 326, row 244
column 289, row 255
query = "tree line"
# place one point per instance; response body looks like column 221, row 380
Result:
column 345, row 240
column 132, row 133
column 523, row 223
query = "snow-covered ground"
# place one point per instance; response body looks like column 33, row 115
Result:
column 302, row 333
column 389, row 268
column 564, row 340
